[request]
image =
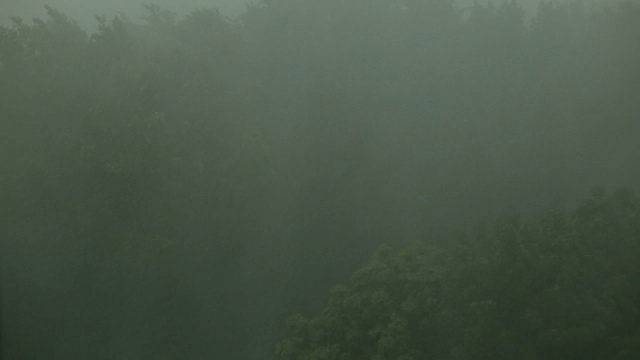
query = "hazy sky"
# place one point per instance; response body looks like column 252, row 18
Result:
column 84, row 11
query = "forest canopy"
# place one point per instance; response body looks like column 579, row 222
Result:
column 176, row 187
column 564, row 286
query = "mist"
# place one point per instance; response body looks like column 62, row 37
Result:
column 84, row 12
column 181, row 177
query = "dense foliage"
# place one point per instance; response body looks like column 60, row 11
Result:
column 565, row 286
column 174, row 187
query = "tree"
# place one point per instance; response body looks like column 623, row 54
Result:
column 560, row 287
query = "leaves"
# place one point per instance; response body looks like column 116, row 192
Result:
column 535, row 294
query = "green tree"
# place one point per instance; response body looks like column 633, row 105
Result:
column 561, row 287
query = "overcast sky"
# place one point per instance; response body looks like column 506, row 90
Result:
column 84, row 11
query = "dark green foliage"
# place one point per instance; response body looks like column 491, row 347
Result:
column 562, row 287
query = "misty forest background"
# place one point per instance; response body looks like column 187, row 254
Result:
column 177, row 187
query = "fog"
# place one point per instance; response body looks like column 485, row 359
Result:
column 177, row 180
column 84, row 11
